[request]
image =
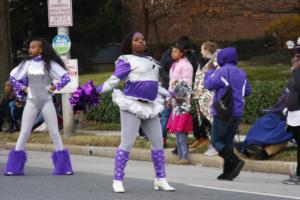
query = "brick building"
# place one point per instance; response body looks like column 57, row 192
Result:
column 220, row 20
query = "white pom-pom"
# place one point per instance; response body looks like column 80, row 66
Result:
column 298, row 41
column 290, row 44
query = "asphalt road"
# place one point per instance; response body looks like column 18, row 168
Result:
column 93, row 181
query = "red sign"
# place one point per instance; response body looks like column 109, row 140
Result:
column 60, row 13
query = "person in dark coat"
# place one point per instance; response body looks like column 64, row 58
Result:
column 293, row 106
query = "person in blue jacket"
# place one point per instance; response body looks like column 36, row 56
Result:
column 223, row 131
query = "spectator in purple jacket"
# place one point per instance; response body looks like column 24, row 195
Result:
column 222, row 134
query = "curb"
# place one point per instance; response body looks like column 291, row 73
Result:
column 82, row 131
column 266, row 166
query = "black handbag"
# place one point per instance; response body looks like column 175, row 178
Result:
column 224, row 105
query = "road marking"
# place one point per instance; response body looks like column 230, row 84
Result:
column 242, row 191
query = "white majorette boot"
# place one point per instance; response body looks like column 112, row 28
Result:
column 118, row 186
column 162, row 184
column 160, row 181
column 121, row 159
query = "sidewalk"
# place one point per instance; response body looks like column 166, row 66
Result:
column 280, row 167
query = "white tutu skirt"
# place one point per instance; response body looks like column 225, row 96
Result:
column 143, row 110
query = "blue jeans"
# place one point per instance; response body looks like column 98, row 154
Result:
column 12, row 107
column 223, row 132
column 182, row 146
column 164, row 121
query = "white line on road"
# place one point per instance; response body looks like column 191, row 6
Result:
column 242, row 191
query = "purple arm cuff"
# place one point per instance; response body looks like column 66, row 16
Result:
column 99, row 88
column 172, row 94
column 18, row 87
column 65, row 79
column 122, row 69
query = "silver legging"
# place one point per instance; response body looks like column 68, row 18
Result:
column 130, row 125
column 31, row 109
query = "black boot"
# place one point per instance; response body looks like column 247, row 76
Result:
column 232, row 165
column 226, row 167
column 236, row 165
column 226, row 171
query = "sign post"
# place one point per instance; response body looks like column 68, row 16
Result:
column 60, row 15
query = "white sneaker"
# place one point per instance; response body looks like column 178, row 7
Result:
column 162, row 184
column 118, row 186
column 211, row 151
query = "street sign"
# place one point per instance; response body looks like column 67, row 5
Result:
column 60, row 13
column 61, row 44
column 72, row 67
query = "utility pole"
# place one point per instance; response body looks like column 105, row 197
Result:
column 60, row 15
column 68, row 119
column 5, row 51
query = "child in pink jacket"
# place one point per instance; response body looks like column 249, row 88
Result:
column 180, row 121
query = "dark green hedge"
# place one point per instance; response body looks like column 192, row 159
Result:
column 106, row 112
column 264, row 94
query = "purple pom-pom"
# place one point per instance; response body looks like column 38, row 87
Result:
column 85, row 96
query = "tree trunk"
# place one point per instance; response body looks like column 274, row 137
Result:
column 5, row 59
column 146, row 19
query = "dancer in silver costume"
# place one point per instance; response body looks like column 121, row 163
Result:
column 34, row 77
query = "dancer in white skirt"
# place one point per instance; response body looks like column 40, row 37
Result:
column 137, row 107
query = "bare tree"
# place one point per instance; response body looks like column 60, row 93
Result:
column 5, row 56
column 154, row 10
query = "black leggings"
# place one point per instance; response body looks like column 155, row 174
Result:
column 202, row 130
column 295, row 130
